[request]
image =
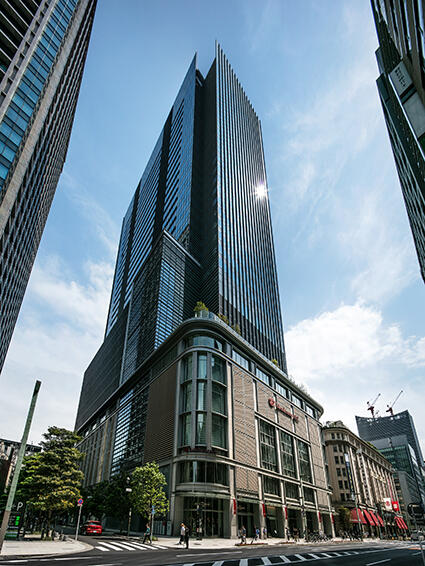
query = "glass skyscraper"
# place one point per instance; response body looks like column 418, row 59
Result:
column 43, row 46
column 185, row 390
column 401, row 61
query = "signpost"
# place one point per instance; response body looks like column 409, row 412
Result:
column 80, row 506
column 18, row 466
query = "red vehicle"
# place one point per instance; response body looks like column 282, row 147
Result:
column 92, row 528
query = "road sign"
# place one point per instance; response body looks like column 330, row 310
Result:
column 80, row 502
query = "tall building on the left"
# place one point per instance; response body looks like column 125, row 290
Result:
column 43, row 47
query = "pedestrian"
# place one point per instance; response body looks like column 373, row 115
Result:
column 147, row 534
column 182, row 530
column 243, row 530
column 296, row 534
column 186, row 536
column 264, row 533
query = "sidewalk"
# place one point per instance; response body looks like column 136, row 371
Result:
column 33, row 546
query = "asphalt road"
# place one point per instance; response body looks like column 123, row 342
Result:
column 120, row 552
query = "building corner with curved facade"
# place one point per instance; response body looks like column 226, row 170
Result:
column 207, row 397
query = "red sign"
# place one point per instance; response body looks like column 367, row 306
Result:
column 320, row 516
column 286, row 513
column 278, row 407
column 80, row 502
column 234, row 506
column 264, row 510
column 332, row 518
column 396, row 506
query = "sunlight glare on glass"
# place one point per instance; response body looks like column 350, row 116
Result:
column 261, row 191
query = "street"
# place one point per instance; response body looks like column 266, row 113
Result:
column 110, row 551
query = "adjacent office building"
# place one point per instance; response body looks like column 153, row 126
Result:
column 362, row 482
column 206, row 395
column 401, row 86
column 43, row 46
column 8, row 457
column 395, row 436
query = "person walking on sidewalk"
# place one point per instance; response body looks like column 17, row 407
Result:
column 186, row 536
column 182, row 530
column 147, row 534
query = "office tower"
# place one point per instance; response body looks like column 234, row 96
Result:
column 395, row 436
column 401, row 60
column 8, row 456
column 204, row 393
column 43, row 46
column 361, row 479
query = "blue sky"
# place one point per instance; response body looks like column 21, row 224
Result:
column 352, row 297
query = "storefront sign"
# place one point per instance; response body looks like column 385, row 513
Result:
column 264, row 510
column 234, row 506
column 396, row 506
column 387, row 503
column 278, row 407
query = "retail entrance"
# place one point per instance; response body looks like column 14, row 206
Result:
column 204, row 516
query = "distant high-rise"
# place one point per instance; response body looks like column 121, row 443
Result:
column 395, row 436
column 207, row 397
column 401, row 86
column 43, row 47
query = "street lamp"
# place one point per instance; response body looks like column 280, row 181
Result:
column 128, row 490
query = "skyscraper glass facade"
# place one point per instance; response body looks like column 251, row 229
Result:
column 43, row 50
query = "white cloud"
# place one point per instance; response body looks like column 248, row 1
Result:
column 58, row 333
column 348, row 355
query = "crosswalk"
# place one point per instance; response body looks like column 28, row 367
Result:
column 129, row 546
column 283, row 559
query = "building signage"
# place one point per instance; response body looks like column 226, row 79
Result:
column 387, row 504
column 396, row 506
column 278, row 407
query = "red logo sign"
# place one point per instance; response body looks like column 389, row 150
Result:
column 278, row 407
column 234, row 506
column 396, row 506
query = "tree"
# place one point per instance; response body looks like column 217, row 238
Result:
column 200, row 306
column 148, row 496
column 51, row 479
column 344, row 518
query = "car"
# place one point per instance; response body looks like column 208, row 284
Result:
column 417, row 535
column 92, row 528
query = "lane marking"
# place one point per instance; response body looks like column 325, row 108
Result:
column 284, row 559
column 266, row 561
column 124, row 545
column 108, row 544
column 301, row 558
column 101, row 548
column 211, row 554
column 379, row 562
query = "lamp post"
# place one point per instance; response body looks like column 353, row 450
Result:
column 128, row 490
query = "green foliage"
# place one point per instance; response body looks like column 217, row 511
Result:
column 224, row 318
column 236, row 328
column 275, row 362
column 147, row 484
column 200, row 306
column 51, row 480
column 344, row 518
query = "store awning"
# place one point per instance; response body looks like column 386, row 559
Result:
column 403, row 523
column 355, row 518
column 372, row 514
column 380, row 519
column 369, row 518
column 400, row 523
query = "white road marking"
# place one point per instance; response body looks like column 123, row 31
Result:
column 101, row 548
column 124, row 545
column 109, row 545
column 316, row 556
column 266, row 561
column 284, row 559
column 301, row 558
column 379, row 562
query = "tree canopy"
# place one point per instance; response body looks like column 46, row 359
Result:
column 51, row 479
column 147, row 484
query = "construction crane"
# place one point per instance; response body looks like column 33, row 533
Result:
column 371, row 405
column 390, row 407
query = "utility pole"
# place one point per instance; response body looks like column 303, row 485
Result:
column 21, row 454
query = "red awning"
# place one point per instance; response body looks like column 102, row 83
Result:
column 369, row 518
column 372, row 514
column 403, row 522
column 399, row 523
column 380, row 519
column 357, row 518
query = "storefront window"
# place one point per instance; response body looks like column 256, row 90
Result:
column 204, row 515
column 218, row 369
column 203, row 472
column 308, row 494
column 268, row 446
column 218, row 433
column 287, row 454
column 304, row 461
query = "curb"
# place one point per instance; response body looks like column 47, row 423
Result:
column 7, row 557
